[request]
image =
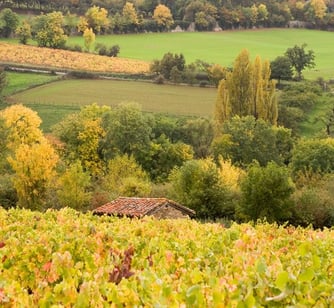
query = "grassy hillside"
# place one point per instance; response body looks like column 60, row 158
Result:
column 53, row 101
column 65, row 258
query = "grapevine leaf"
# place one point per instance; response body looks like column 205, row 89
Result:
column 307, row 275
column 282, row 280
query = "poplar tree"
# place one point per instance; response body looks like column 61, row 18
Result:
column 247, row 90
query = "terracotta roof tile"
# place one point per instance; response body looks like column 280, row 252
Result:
column 138, row 207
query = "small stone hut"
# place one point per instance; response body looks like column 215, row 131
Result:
column 160, row 208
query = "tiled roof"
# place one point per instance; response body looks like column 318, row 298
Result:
column 138, row 207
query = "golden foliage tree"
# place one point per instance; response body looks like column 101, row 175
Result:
column 82, row 133
column 22, row 124
column 96, row 18
column 247, row 90
column 89, row 38
column 130, row 15
column 163, row 16
column 34, row 167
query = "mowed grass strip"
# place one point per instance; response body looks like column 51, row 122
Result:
column 17, row 81
column 170, row 99
column 223, row 47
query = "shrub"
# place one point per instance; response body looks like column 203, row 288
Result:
column 159, row 79
column 114, row 51
column 266, row 193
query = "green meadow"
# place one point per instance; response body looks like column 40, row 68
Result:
column 223, row 47
column 17, row 82
column 54, row 100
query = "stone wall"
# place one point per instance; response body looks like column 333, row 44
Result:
column 168, row 211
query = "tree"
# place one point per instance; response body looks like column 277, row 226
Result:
column 130, row 16
column 281, row 69
column 247, row 90
column 81, row 134
column 245, row 139
column 125, row 177
column 300, row 59
column 89, row 38
column 72, row 188
column 197, row 185
column 8, row 22
column 262, row 13
column 162, row 156
column 316, row 11
column 127, row 131
column 24, row 32
column 3, row 80
column 199, row 134
column 313, row 155
column 95, row 18
column 167, row 63
column 49, row 30
column 163, row 17
column 23, row 126
column 4, row 132
column 34, row 167
column 266, row 193
column 216, row 73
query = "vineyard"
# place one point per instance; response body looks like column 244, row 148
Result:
column 68, row 259
column 63, row 59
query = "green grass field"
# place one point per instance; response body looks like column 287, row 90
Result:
column 53, row 101
column 22, row 81
column 223, row 47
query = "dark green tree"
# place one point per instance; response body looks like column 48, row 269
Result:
column 300, row 59
column 199, row 134
column 162, row 156
column 167, row 63
column 9, row 21
column 244, row 139
column 281, row 69
column 266, row 193
column 128, row 131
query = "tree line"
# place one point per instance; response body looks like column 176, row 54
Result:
column 152, row 15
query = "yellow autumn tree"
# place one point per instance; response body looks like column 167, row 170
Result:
column 247, row 90
column 34, row 167
column 163, row 16
column 130, row 16
column 318, row 9
column 96, row 18
column 22, row 124
column 89, row 38
column 81, row 134
column 230, row 175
